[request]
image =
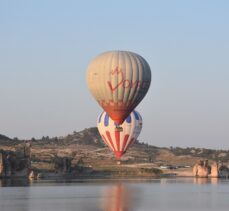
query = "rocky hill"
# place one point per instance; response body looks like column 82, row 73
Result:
column 6, row 141
column 2, row 137
column 86, row 149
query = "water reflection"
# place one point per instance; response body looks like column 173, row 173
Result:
column 14, row 182
column 15, row 197
column 214, row 181
column 120, row 197
column 167, row 194
column 202, row 181
column 19, row 182
column 189, row 180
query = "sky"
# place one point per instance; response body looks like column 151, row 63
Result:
column 46, row 46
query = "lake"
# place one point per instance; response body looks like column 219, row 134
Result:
column 115, row 195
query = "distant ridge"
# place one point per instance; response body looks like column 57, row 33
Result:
column 2, row 137
column 6, row 141
column 90, row 138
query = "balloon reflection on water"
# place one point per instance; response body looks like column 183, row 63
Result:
column 119, row 197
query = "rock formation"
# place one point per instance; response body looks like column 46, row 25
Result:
column 215, row 169
column 201, row 169
column 1, row 164
column 62, row 164
column 15, row 163
column 219, row 170
column 194, row 170
column 224, row 171
column 34, row 175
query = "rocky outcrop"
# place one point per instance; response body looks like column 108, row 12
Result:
column 194, row 170
column 15, row 163
column 1, row 164
column 34, row 175
column 201, row 169
column 215, row 169
column 62, row 164
column 219, row 170
column 224, row 171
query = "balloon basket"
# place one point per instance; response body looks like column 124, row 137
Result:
column 118, row 129
column 119, row 162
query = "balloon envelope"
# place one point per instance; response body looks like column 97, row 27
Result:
column 118, row 80
column 119, row 140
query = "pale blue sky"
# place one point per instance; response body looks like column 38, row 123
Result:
column 45, row 47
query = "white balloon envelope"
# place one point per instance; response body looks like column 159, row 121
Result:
column 118, row 80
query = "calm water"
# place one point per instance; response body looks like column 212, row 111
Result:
column 159, row 194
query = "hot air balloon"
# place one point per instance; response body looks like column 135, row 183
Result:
column 118, row 141
column 118, row 80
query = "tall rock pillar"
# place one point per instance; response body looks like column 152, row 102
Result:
column 1, row 165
